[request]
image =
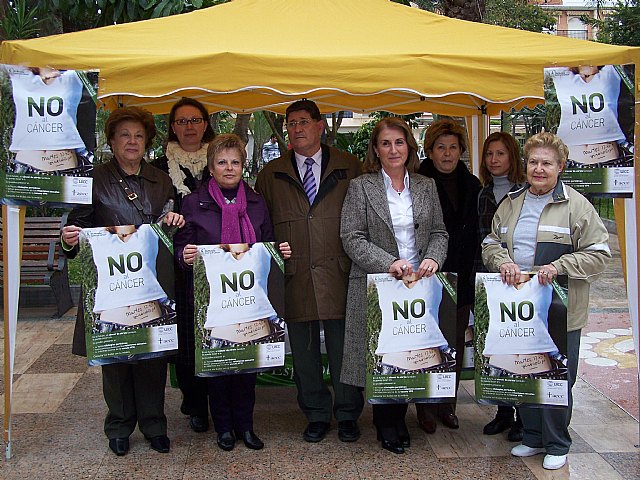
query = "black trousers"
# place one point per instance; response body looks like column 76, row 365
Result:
column 388, row 415
column 134, row 393
column 314, row 397
column 231, row 400
column 194, row 391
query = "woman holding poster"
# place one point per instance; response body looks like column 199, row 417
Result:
column 226, row 210
column 552, row 229
column 445, row 141
column 501, row 172
column 127, row 191
column 185, row 160
column 391, row 222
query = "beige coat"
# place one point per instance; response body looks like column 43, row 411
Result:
column 316, row 275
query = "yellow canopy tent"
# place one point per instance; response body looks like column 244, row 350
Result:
column 360, row 56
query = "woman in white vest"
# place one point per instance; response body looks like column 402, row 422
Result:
column 550, row 228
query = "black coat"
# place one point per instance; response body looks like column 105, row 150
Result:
column 461, row 224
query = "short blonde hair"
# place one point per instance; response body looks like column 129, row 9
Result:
column 547, row 140
column 222, row 142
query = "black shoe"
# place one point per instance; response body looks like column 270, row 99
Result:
column 389, row 440
column 403, row 434
column 498, row 425
column 199, row 423
column 315, row 431
column 119, row 446
column 516, row 433
column 226, row 441
column 250, row 440
column 348, row 431
column 161, row 443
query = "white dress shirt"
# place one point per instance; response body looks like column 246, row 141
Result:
column 401, row 209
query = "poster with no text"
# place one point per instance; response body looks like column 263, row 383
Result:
column 48, row 129
column 411, row 330
column 239, row 308
column 127, row 290
column 591, row 108
column 521, row 341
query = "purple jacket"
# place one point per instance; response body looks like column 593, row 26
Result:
column 203, row 219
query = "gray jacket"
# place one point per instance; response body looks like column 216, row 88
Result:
column 367, row 236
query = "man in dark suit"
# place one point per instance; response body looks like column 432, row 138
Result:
column 304, row 191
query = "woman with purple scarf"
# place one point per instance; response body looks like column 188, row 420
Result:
column 226, row 210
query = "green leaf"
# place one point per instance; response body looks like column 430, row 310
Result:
column 157, row 12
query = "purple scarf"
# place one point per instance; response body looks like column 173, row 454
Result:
column 236, row 225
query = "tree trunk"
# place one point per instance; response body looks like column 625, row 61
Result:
column 241, row 127
column 332, row 131
column 471, row 10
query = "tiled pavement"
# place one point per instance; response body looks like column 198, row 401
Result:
column 58, row 413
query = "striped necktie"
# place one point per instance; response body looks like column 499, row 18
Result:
column 309, row 181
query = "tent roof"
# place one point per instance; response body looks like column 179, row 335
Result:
column 361, row 56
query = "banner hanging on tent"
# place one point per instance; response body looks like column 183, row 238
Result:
column 48, row 125
column 591, row 108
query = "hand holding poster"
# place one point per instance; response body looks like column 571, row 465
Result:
column 411, row 323
column 47, row 123
column 128, row 314
column 592, row 110
column 238, row 300
column 521, row 341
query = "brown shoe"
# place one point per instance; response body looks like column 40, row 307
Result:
column 426, row 417
column 447, row 415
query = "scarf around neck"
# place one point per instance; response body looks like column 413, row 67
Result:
column 195, row 162
column 236, row 225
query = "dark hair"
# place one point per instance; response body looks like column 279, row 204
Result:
column 516, row 170
column 372, row 161
column 208, row 135
column 307, row 105
column 222, row 142
column 131, row 114
column 445, row 127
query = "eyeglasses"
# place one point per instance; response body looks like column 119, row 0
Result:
column 184, row 121
column 303, row 123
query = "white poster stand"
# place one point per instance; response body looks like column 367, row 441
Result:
column 11, row 241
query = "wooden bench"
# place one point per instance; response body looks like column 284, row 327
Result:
column 43, row 262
